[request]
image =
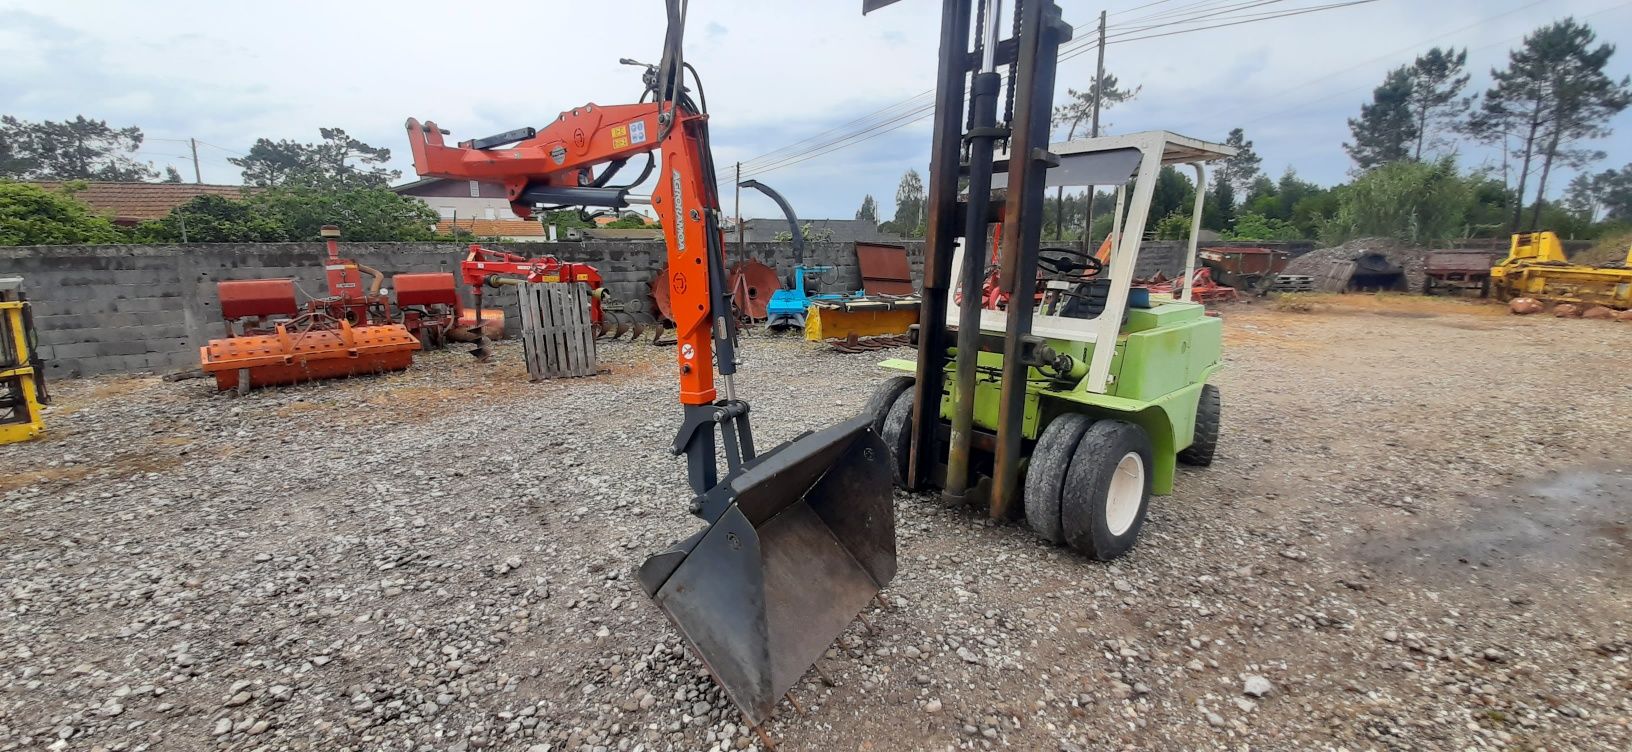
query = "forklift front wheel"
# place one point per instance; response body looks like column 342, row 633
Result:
column 897, row 435
column 1107, row 489
column 883, row 398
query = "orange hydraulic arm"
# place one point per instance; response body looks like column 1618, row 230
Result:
column 555, row 166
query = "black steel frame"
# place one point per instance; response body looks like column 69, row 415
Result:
column 1031, row 55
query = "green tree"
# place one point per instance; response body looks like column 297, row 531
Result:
column 630, row 221
column 1386, row 128
column 372, row 214
column 1254, row 226
column 1410, row 201
column 1079, row 110
column 1552, row 95
column 214, row 219
column 338, row 161
column 1261, row 193
column 1437, row 79
column 31, row 215
column 294, row 214
column 1173, row 193
column 909, row 206
column 1174, row 226
column 567, row 219
column 171, row 174
column 810, row 235
column 78, row 149
column 868, row 210
column 1606, row 195
column 1242, row 169
column 1218, row 209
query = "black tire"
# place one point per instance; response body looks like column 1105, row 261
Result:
column 1427, row 285
column 1045, row 474
column 1084, row 507
column 1484, row 288
column 883, row 399
column 897, row 435
column 1201, row 449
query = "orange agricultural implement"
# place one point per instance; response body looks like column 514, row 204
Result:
column 271, row 339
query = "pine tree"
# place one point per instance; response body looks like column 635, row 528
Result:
column 1242, row 169
column 1437, row 79
column 1386, row 128
column 909, row 206
column 1078, row 110
column 868, row 210
column 1552, row 94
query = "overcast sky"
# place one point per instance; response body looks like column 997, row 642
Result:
column 775, row 72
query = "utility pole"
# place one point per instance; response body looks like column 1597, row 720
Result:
column 1099, row 81
column 198, row 177
column 742, row 255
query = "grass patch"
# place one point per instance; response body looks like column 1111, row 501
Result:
column 1296, row 302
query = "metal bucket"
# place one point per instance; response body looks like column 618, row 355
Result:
column 799, row 540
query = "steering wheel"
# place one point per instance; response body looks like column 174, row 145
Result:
column 1066, row 263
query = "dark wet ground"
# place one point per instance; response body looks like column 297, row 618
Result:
column 1562, row 525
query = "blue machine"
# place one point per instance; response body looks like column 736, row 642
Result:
column 788, row 305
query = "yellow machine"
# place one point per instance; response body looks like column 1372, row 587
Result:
column 1536, row 267
column 22, row 383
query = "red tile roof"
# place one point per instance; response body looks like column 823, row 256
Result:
column 129, row 203
column 504, row 228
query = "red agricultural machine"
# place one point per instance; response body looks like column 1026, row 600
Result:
column 271, row 339
column 486, row 267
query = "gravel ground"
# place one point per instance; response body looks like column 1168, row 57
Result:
column 1415, row 537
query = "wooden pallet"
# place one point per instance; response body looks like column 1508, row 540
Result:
column 1293, row 283
column 555, row 330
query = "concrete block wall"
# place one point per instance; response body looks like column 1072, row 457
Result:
column 115, row 309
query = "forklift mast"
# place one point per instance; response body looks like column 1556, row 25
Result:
column 1016, row 110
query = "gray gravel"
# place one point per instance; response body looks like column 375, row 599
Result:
column 441, row 560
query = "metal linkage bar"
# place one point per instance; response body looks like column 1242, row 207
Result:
column 1041, row 33
column 940, row 238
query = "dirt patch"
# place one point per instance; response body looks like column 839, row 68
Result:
column 1556, row 527
column 143, row 462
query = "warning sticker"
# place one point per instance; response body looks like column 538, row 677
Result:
column 559, row 154
column 620, row 136
column 637, row 132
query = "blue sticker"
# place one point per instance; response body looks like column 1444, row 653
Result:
column 637, row 132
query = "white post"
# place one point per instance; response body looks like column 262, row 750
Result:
column 1195, row 233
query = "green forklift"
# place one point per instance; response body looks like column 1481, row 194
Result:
column 1055, row 389
column 1065, row 394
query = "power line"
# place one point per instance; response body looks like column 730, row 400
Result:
column 888, row 111
column 1304, row 105
column 901, row 120
column 222, row 148
column 894, row 122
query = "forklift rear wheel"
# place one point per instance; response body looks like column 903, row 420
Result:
column 1201, row 449
column 1107, row 489
column 878, row 406
column 1045, row 473
column 897, row 435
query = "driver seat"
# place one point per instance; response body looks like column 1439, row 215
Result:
column 1086, row 299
